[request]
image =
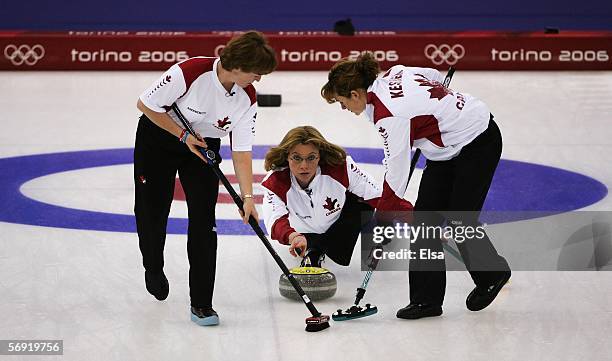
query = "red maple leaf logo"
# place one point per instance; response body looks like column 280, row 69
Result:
column 437, row 90
column 223, row 122
column 329, row 204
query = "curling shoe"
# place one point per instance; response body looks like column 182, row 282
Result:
column 415, row 311
column 481, row 297
column 157, row 284
column 205, row 316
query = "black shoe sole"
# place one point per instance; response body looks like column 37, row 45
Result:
column 414, row 316
column 159, row 297
column 498, row 287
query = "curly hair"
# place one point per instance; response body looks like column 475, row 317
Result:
column 329, row 153
column 347, row 75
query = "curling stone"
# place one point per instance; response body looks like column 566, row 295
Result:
column 318, row 283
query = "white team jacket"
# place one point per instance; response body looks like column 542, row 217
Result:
column 212, row 111
column 410, row 107
column 288, row 208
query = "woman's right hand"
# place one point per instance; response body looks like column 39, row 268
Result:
column 298, row 242
column 193, row 143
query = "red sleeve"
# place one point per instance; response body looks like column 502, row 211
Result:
column 281, row 230
column 279, row 183
column 389, row 201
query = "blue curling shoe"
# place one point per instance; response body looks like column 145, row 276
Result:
column 204, row 316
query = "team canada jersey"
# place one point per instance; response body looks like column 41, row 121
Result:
column 410, row 107
column 213, row 112
column 288, row 208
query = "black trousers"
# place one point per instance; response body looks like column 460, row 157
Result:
column 340, row 238
column 457, row 185
column 157, row 157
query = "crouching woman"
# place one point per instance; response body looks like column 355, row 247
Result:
column 316, row 197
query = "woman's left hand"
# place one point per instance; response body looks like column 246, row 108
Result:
column 249, row 210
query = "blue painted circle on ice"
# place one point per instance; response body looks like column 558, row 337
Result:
column 517, row 186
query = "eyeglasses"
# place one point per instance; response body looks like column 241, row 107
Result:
column 310, row 159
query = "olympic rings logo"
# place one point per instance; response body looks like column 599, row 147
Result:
column 24, row 54
column 444, row 53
